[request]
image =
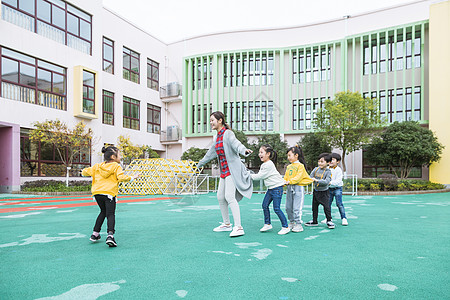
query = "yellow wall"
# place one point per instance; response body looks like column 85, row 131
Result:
column 439, row 97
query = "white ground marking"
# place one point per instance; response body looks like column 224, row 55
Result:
column 196, row 208
column 420, row 257
column 141, row 203
column 222, row 252
column 387, row 287
column 256, row 209
column 42, row 208
column 283, row 246
column 88, row 291
column 324, row 231
column 247, row 245
column 66, row 211
column 237, row 255
column 427, row 203
column 262, row 253
column 421, row 205
column 355, row 201
column 181, row 293
column 367, row 204
column 352, row 217
column 21, row 215
column 289, row 279
column 311, row 237
column 43, row 238
column 423, row 217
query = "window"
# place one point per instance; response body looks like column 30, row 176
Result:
column 131, row 116
column 202, row 73
column 250, row 115
column 153, row 118
column 152, row 74
column 248, row 70
column 27, row 79
column 130, row 65
column 38, row 159
column 108, row 55
column 54, row 19
column 108, row 108
column 88, row 92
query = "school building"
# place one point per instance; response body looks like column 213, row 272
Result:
column 79, row 61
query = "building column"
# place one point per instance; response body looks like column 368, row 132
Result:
column 9, row 157
column 439, row 70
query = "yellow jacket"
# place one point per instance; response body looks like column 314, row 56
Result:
column 106, row 178
column 296, row 174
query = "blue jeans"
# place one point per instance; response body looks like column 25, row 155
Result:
column 274, row 195
column 337, row 193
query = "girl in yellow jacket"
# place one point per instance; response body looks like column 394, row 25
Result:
column 105, row 186
column 296, row 177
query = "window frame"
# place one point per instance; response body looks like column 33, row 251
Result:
column 104, row 112
column 154, row 109
column 103, row 55
column 132, row 54
column 129, row 101
column 152, row 65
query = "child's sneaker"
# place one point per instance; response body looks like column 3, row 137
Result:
column 110, row 241
column 311, row 223
column 297, row 228
column 94, row 238
column 223, row 227
column 284, row 230
column 344, row 222
column 324, row 221
column 291, row 225
column 266, row 227
column 237, row 231
column 330, row 225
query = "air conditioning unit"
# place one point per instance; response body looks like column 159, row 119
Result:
column 172, row 133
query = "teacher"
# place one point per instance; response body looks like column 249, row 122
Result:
column 235, row 181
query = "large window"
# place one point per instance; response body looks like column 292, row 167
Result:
column 395, row 52
column 250, row 115
column 54, row 19
column 108, row 55
column 303, row 63
column 131, row 116
column 108, row 108
column 202, row 73
column 130, row 65
column 152, row 74
column 153, row 118
column 88, row 92
column 399, row 105
column 38, row 159
column 27, row 79
column 304, row 112
column 248, row 69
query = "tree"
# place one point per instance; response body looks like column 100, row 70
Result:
column 274, row 140
column 313, row 145
column 241, row 137
column 131, row 151
column 349, row 122
column 196, row 154
column 68, row 142
column 406, row 145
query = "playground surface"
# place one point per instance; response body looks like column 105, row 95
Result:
column 395, row 247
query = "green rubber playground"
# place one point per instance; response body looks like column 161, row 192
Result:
column 395, row 247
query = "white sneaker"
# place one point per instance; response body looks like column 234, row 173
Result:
column 297, row 228
column 324, row 221
column 291, row 225
column 284, row 230
column 237, row 231
column 330, row 225
column 266, row 227
column 223, row 227
column 344, row 222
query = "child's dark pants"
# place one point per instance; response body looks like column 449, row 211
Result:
column 108, row 210
column 323, row 198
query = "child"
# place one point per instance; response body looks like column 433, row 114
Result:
column 274, row 182
column 321, row 176
column 105, row 186
column 336, row 186
column 296, row 177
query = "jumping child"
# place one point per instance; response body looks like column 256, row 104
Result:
column 296, row 177
column 274, row 182
column 105, row 186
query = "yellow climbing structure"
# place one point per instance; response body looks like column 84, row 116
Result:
column 162, row 176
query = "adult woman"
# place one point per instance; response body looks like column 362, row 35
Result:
column 235, row 181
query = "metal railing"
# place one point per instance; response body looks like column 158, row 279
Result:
column 212, row 182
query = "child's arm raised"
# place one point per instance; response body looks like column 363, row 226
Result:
column 87, row 172
column 262, row 174
column 121, row 175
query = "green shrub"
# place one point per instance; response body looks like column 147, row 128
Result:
column 56, row 186
column 375, row 187
column 389, row 184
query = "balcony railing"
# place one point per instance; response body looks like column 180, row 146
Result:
column 170, row 91
column 172, row 134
